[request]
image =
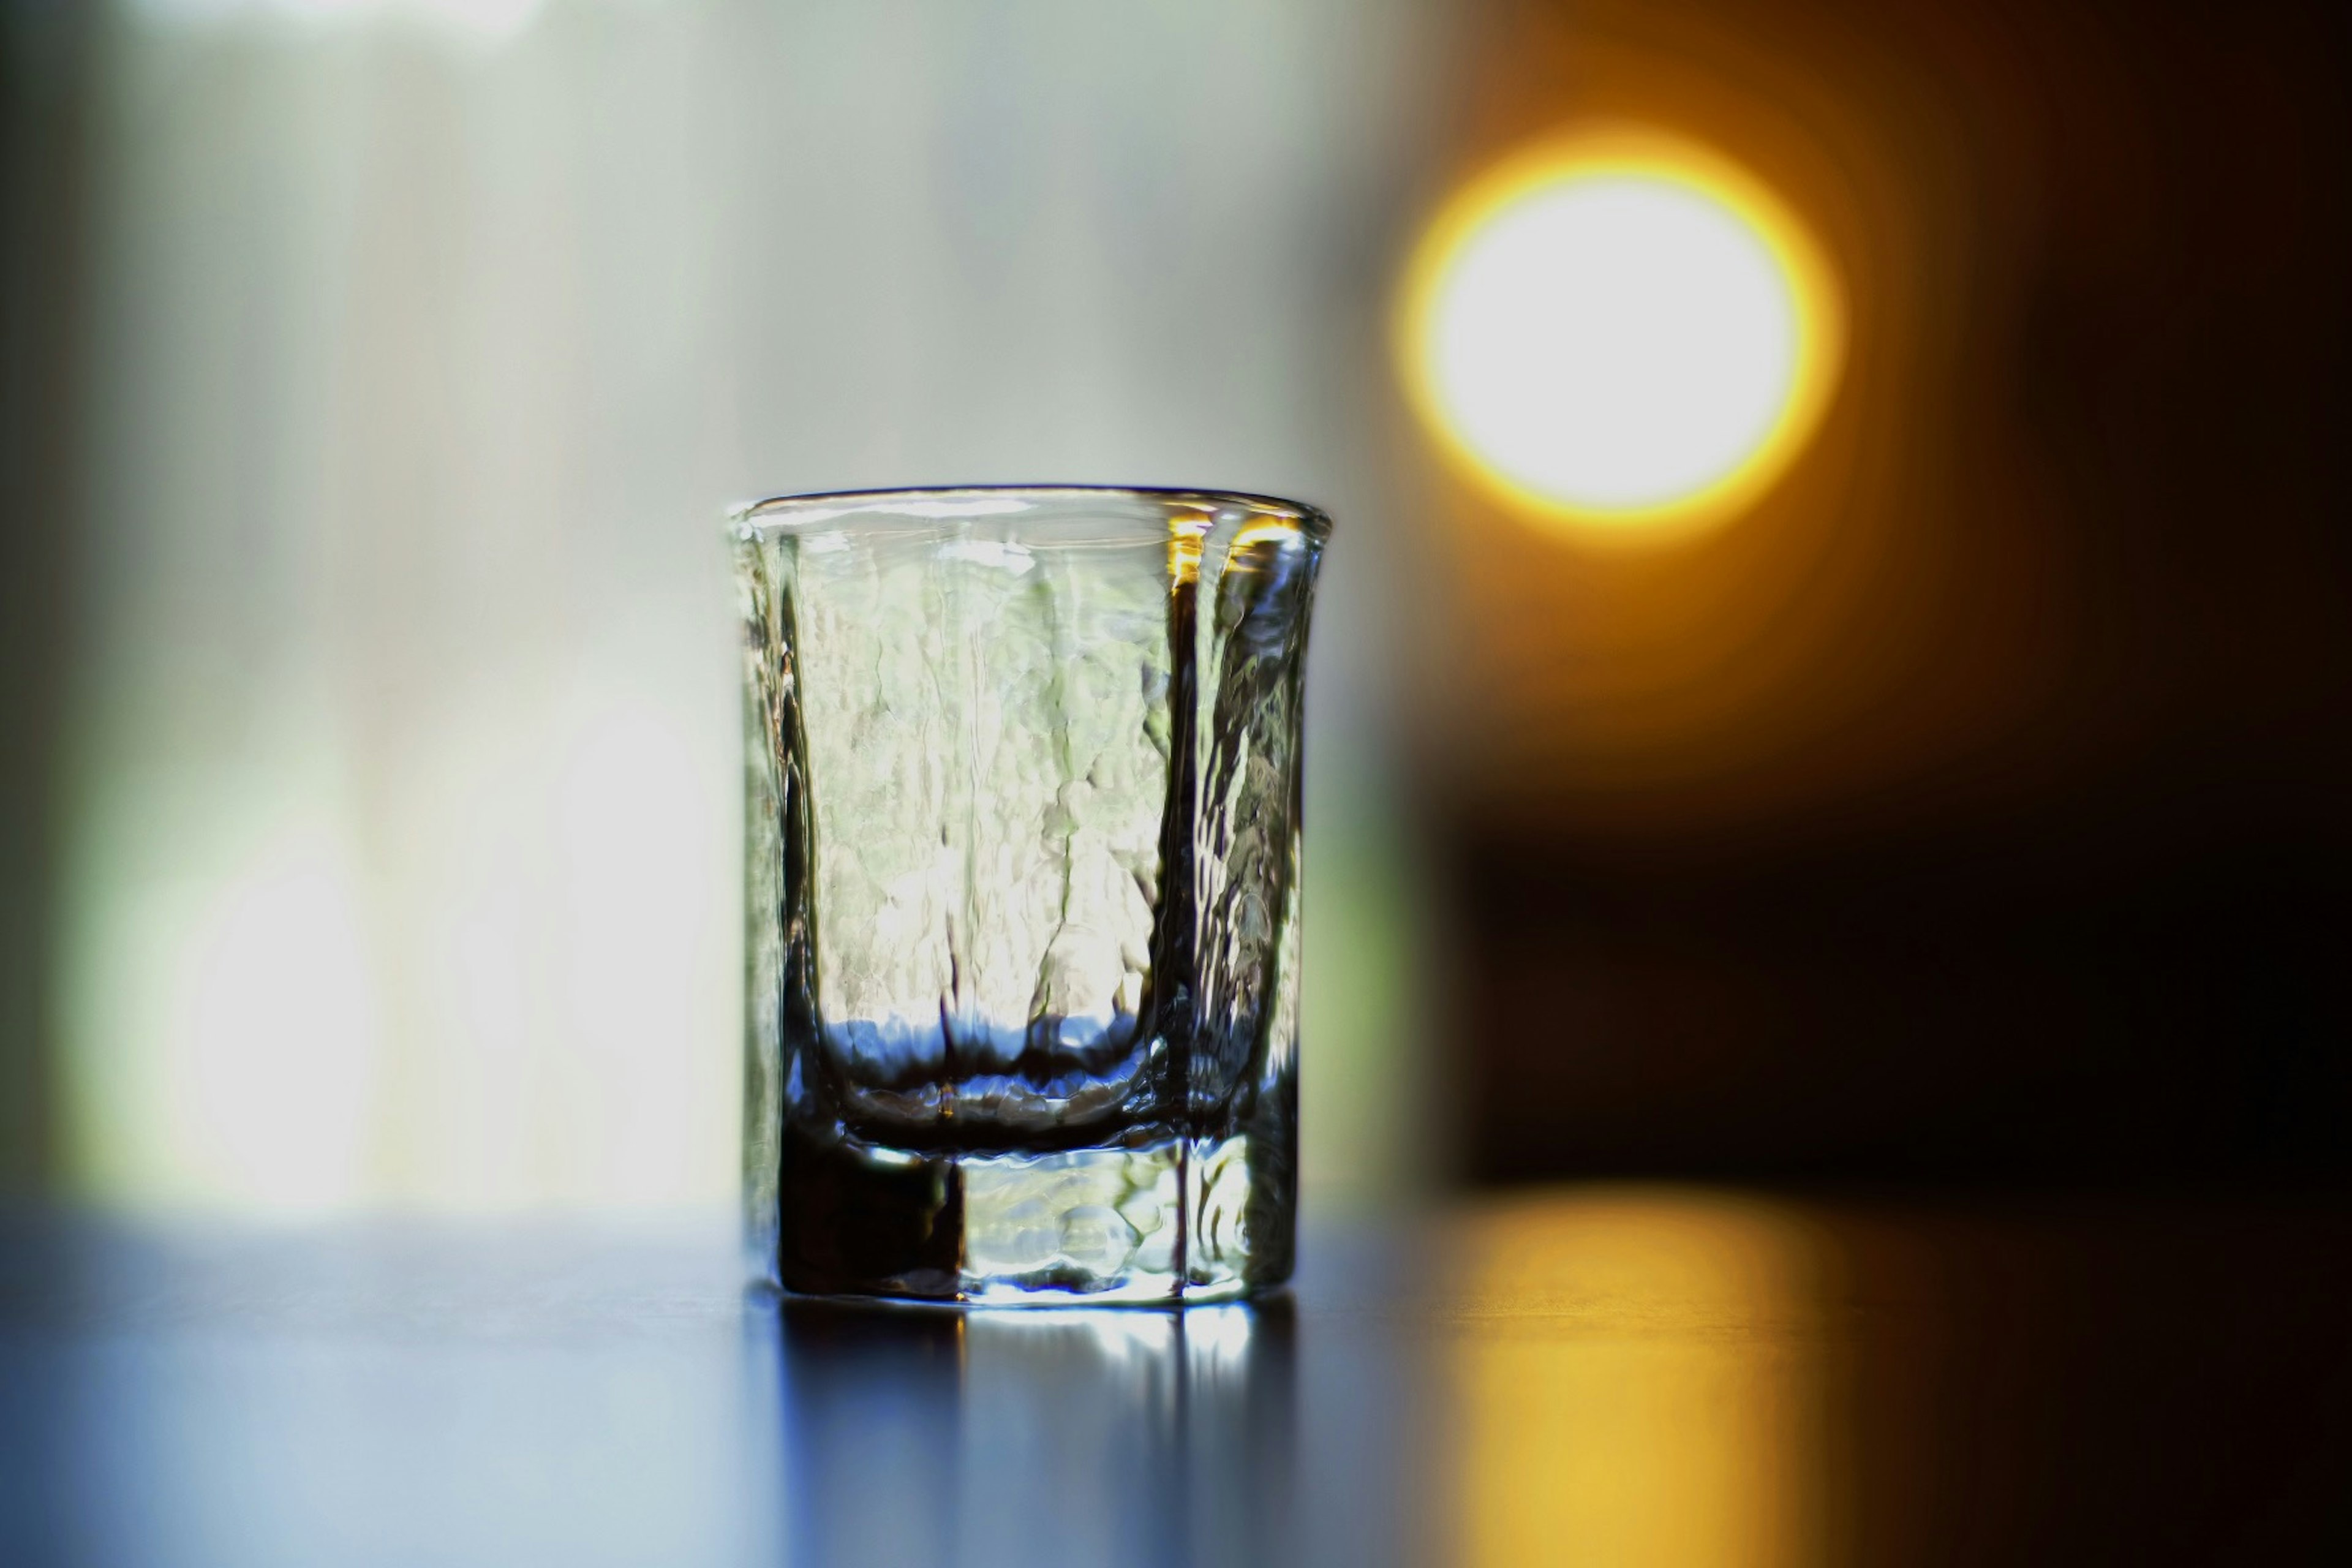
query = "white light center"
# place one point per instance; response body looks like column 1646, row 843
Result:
column 1615, row 342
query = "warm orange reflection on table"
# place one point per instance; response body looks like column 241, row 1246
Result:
column 1645, row 1382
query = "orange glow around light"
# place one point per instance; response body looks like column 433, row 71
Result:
column 1619, row 333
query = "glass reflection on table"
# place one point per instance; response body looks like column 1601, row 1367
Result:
column 915, row 1435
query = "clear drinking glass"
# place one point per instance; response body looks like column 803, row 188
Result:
column 1022, row 886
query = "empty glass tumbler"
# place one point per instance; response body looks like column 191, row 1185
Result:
column 1022, row 867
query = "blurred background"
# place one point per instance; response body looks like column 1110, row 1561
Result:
column 1932, row 768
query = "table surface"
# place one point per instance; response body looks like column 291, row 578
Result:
column 1597, row 1374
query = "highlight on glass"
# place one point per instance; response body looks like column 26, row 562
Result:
column 1022, row 859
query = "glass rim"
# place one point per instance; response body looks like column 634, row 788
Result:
column 777, row 513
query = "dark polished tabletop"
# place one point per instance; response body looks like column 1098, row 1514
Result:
column 1597, row 1375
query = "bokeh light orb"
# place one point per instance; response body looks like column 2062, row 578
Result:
column 1619, row 333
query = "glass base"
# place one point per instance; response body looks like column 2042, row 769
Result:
column 1169, row 1222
